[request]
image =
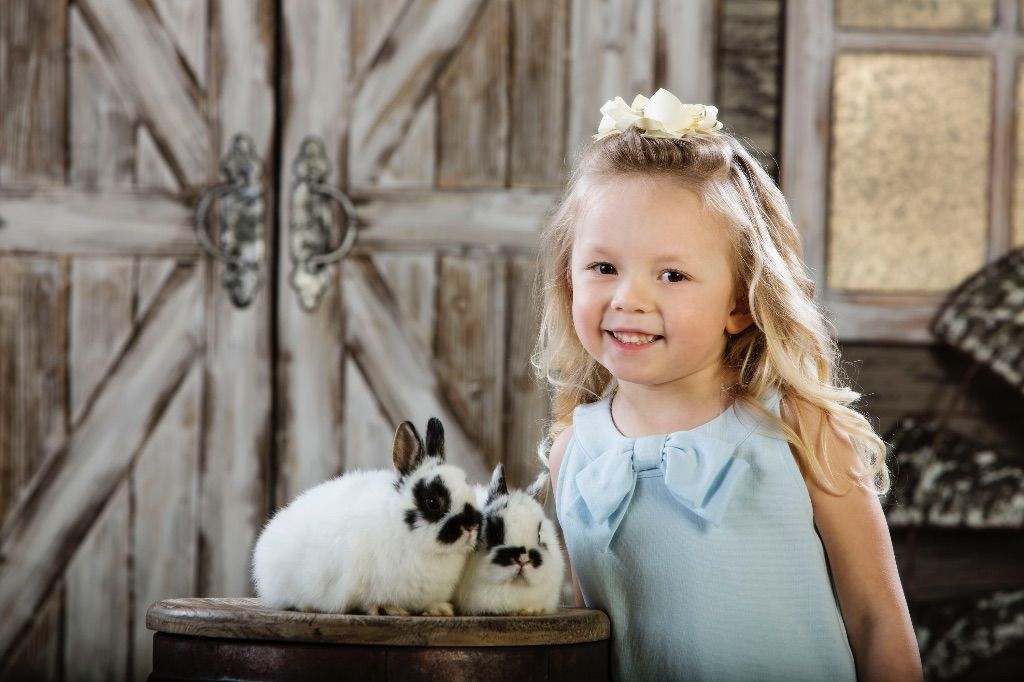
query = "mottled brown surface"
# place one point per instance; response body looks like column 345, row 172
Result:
column 195, row 658
column 243, row 618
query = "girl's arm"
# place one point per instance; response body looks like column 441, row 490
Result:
column 856, row 539
column 555, row 461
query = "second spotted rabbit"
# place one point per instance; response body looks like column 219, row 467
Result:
column 518, row 567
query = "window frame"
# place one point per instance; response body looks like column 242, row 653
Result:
column 812, row 42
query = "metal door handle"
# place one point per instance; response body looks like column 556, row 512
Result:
column 240, row 207
column 310, row 223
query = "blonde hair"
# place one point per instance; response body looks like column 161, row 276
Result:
column 790, row 347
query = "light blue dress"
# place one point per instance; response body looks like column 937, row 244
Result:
column 700, row 546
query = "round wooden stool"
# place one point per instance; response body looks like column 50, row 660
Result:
column 199, row 639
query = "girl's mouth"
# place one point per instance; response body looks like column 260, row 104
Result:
column 633, row 342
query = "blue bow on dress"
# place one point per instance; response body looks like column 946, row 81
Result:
column 700, row 471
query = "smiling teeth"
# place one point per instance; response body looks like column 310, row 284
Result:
column 633, row 338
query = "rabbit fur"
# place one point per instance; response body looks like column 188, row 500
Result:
column 518, row 567
column 378, row 542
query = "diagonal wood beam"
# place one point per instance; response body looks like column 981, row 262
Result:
column 61, row 220
column 397, row 366
column 39, row 539
column 405, row 71
column 143, row 58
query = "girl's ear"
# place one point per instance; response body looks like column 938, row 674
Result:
column 740, row 317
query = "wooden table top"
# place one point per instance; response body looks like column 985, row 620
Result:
column 244, row 618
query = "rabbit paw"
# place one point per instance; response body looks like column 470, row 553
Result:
column 442, row 608
column 387, row 610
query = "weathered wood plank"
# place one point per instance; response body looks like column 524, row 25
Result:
column 102, row 121
column 685, row 57
column 143, row 57
column 39, row 540
column 33, row 370
column 165, row 494
column 526, row 401
column 37, row 656
column 612, row 53
column 469, row 349
column 540, row 37
column 748, row 75
column 369, row 434
column 98, row 593
column 185, row 21
column 413, row 279
column 371, row 26
column 473, row 107
column 70, row 221
column 151, row 169
column 414, row 163
column 33, row 80
column 310, row 386
column 237, row 393
column 101, row 322
column 414, row 219
column 396, row 84
column 401, row 373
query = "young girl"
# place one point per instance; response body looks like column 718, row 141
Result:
column 703, row 438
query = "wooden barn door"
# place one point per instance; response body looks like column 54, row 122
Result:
column 134, row 396
column 448, row 138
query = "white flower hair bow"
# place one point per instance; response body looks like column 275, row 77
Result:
column 663, row 115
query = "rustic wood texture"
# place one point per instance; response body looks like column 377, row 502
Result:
column 685, row 53
column 470, row 347
column 309, row 386
column 71, row 221
column 246, row 619
column 186, row 22
column 473, row 106
column 165, row 520
column 38, row 655
column 33, row 369
column 396, row 83
column 40, row 538
column 613, row 53
column 237, row 396
column 402, row 373
column 526, row 403
column 414, row 163
column 33, row 80
column 540, row 55
column 413, row 278
column 101, row 323
column 197, row 658
column 748, row 69
column 409, row 219
column 369, row 433
column 141, row 53
column 97, row 589
column 102, row 120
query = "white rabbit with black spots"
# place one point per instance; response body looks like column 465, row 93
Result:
column 518, row 567
column 378, row 542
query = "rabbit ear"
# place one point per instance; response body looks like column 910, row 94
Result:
column 408, row 448
column 538, row 490
column 435, row 438
column 497, row 487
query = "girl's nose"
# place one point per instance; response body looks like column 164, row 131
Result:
column 631, row 296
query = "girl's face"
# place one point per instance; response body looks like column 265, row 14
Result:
column 648, row 261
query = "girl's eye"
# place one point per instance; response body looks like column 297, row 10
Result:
column 604, row 268
column 674, row 276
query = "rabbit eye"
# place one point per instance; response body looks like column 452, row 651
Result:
column 433, row 504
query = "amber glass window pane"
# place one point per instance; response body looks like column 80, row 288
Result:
column 963, row 15
column 908, row 190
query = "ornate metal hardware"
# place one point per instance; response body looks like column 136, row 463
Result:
column 310, row 224
column 240, row 208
